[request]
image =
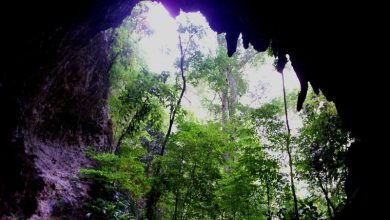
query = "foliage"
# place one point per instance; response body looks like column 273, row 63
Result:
column 137, row 101
column 212, row 69
column 323, row 147
column 137, row 96
column 234, row 168
column 122, row 177
column 140, row 103
column 191, row 168
column 224, row 76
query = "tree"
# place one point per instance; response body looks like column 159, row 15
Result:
column 136, row 95
column 288, row 150
column 272, row 130
column 266, row 172
column 188, row 33
column 224, row 75
column 120, row 183
column 323, row 147
column 140, row 102
column 191, row 169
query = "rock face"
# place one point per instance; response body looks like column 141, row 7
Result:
column 53, row 88
column 54, row 85
column 68, row 115
column 65, row 114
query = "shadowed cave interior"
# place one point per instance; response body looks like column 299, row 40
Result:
column 54, row 86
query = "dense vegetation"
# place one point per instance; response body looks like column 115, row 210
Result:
column 241, row 164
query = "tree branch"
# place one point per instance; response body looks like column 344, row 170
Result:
column 175, row 109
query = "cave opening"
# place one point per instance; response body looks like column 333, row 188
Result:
column 61, row 106
column 175, row 95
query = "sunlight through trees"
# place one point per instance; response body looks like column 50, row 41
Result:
column 167, row 163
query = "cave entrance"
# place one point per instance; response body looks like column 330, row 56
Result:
column 216, row 149
column 200, row 133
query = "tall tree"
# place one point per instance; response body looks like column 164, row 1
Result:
column 188, row 35
column 288, row 150
column 272, row 130
column 224, row 75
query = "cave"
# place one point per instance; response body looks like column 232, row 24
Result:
column 54, row 86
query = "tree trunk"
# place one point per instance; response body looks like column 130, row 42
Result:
column 224, row 106
column 154, row 194
column 139, row 115
column 232, row 84
column 268, row 202
column 151, row 204
column 288, row 149
column 176, row 204
column 292, row 177
column 175, row 108
column 331, row 208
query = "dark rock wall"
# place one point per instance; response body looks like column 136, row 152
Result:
column 53, row 88
column 58, row 120
column 68, row 115
column 54, row 83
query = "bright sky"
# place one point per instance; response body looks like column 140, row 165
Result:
column 160, row 51
column 160, row 48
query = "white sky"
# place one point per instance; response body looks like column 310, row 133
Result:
column 160, row 51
